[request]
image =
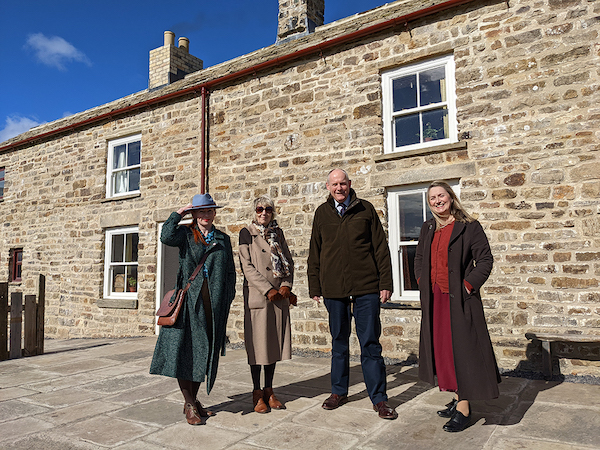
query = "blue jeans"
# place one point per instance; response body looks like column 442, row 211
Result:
column 368, row 330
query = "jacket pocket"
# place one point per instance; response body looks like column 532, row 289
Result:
column 254, row 298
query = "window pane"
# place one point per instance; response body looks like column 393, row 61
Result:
column 120, row 182
column 432, row 85
column 133, row 155
column 118, row 242
column 119, row 156
column 131, row 253
column 407, row 130
column 410, row 209
column 435, row 124
column 118, row 279
column 134, row 180
column 405, row 92
column 132, row 278
column 1, row 182
column 408, row 267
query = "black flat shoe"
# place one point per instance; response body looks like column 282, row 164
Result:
column 458, row 422
column 449, row 411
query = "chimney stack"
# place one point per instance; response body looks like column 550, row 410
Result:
column 298, row 18
column 184, row 44
column 169, row 63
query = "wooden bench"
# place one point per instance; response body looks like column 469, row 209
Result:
column 547, row 338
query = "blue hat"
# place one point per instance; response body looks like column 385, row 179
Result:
column 203, row 201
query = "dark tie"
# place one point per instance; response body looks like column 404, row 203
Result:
column 342, row 209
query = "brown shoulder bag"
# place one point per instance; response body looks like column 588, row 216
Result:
column 171, row 304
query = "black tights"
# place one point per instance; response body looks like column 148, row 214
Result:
column 269, row 374
column 189, row 389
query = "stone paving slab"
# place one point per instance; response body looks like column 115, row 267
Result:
column 98, row 394
column 106, row 431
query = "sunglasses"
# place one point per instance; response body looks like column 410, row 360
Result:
column 260, row 209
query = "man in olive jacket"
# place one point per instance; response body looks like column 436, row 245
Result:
column 349, row 264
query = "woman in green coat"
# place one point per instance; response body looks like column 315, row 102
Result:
column 190, row 349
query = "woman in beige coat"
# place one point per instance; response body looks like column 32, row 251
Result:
column 268, row 275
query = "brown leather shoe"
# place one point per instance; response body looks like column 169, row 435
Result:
column 203, row 411
column 385, row 411
column 192, row 415
column 259, row 404
column 269, row 397
column 335, row 401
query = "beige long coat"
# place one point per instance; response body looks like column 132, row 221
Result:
column 267, row 331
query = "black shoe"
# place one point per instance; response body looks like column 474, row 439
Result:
column 449, row 411
column 458, row 422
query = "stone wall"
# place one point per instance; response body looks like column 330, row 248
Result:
column 528, row 87
column 527, row 90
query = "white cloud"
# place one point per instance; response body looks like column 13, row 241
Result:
column 54, row 51
column 16, row 125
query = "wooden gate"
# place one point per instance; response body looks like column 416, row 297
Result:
column 26, row 336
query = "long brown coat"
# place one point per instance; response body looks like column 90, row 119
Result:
column 267, row 332
column 470, row 259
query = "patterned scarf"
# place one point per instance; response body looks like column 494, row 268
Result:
column 281, row 266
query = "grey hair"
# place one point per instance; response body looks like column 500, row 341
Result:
column 263, row 200
column 345, row 173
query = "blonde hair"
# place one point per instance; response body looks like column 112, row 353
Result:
column 456, row 209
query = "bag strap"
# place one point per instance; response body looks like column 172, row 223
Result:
column 197, row 271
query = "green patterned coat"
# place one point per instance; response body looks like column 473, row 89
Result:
column 183, row 350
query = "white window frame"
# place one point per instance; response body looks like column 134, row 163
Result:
column 110, row 185
column 108, row 265
column 389, row 115
column 395, row 244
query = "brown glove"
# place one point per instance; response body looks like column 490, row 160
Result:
column 293, row 299
column 285, row 291
column 274, row 295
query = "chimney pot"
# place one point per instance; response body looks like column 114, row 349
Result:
column 184, row 44
column 169, row 38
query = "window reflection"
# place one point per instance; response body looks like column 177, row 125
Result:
column 411, row 216
column 432, row 86
column 405, row 92
column 407, row 130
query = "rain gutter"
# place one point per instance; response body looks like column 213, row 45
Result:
column 207, row 85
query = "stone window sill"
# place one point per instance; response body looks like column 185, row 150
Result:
column 117, row 303
column 121, row 197
column 462, row 145
column 401, row 305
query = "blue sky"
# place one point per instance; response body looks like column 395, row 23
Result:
column 61, row 57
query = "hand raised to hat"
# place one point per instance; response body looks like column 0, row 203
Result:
column 183, row 211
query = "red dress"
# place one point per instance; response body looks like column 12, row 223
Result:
column 442, row 331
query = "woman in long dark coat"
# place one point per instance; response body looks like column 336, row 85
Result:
column 189, row 350
column 268, row 276
column 452, row 262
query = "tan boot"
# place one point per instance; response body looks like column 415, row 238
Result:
column 192, row 415
column 270, row 398
column 259, row 404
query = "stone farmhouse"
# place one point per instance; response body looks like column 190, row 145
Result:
column 499, row 98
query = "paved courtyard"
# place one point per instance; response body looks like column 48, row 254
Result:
column 97, row 394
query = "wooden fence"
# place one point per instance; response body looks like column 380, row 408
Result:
column 26, row 336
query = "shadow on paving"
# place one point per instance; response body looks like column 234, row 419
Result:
column 320, row 385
